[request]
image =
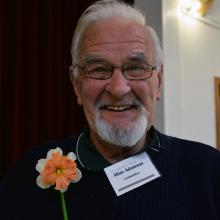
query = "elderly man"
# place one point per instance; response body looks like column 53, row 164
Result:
column 129, row 170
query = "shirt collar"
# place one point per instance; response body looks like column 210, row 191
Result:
column 91, row 159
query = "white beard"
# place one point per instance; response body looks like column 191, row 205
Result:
column 119, row 135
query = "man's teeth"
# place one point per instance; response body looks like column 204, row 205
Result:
column 118, row 108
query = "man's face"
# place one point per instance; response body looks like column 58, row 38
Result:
column 117, row 102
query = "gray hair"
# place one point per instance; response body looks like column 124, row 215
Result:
column 104, row 9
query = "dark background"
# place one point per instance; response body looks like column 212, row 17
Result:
column 36, row 97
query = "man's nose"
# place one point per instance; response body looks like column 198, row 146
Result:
column 118, row 85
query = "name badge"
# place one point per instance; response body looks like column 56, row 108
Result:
column 131, row 173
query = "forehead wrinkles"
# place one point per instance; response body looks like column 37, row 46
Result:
column 114, row 58
column 119, row 38
column 99, row 36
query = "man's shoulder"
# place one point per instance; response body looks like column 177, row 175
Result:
column 40, row 151
column 186, row 147
column 66, row 144
column 190, row 156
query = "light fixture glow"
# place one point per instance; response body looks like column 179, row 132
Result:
column 195, row 7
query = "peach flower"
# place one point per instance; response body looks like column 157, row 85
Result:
column 57, row 170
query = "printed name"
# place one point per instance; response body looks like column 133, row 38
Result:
column 128, row 169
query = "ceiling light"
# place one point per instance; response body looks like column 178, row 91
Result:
column 195, row 7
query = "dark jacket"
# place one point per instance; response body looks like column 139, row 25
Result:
column 189, row 188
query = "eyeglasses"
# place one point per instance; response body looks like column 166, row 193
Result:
column 104, row 71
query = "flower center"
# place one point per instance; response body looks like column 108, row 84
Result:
column 58, row 171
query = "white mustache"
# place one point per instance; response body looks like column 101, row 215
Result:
column 123, row 102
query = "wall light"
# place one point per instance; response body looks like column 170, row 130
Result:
column 196, row 7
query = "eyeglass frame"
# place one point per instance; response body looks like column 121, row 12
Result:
column 113, row 67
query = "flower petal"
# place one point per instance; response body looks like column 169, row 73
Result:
column 50, row 152
column 61, row 183
column 40, row 165
column 41, row 184
column 78, row 176
column 48, row 177
column 71, row 156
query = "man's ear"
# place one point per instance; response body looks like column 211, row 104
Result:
column 75, row 84
column 160, row 81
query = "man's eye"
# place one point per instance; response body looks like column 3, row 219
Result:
column 100, row 69
column 96, row 69
column 135, row 68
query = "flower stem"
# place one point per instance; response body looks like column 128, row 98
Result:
column 65, row 216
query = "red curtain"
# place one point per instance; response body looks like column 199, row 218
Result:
column 36, row 96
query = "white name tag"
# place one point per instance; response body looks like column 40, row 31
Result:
column 131, row 173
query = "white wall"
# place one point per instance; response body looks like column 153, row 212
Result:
column 192, row 59
column 192, row 51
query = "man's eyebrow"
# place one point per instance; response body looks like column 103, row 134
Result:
column 94, row 59
column 138, row 57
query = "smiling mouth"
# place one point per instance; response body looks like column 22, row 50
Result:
column 118, row 108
